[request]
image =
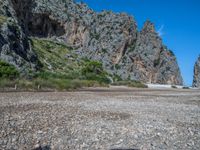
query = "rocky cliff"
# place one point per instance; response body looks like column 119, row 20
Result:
column 196, row 81
column 14, row 45
column 111, row 38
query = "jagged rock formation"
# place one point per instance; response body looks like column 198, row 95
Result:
column 149, row 60
column 110, row 38
column 196, row 81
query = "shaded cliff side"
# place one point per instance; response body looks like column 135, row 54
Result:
column 14, row 45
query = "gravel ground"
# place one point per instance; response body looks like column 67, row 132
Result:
column 100, row 118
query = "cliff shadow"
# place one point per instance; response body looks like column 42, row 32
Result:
column 36, row 24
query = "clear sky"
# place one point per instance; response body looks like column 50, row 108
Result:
column 177, row 21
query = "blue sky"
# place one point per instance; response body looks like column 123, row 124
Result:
column 178, row 22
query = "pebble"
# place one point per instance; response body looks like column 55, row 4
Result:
column 94, row 120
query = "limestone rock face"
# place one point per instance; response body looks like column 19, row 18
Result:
column 148, row 60
column 196, row 81
column 112, row 38
column 14, row 45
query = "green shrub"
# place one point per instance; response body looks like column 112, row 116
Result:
column 8, row 70
column 93, row 70
column 93, row 67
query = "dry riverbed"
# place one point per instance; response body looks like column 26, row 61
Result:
column 100, row 118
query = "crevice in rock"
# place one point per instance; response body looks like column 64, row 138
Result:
column 36, row 24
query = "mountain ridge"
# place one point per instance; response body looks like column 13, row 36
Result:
column 111, row 38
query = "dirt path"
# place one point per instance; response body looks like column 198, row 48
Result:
column 101, row 118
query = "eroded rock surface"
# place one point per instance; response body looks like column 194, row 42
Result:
column 149, row 60
column 112, row 38
column 14, row 45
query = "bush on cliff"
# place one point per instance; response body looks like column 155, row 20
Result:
column 8, row 71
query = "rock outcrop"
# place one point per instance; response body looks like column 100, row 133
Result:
column 196, row 81
column 112, row 38
column 14, row 45
column 149, row 60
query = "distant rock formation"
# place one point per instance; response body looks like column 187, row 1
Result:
column 111, row 38
column 196, row 81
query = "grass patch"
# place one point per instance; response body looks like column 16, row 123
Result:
column 53, row 55
column 6, row 83
column 136, row 84
column 39, row 84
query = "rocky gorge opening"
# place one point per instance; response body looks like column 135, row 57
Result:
column 36, row 24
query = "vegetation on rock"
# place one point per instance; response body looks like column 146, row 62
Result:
column 93, row 70
column 59, row 70
column 8, row 71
